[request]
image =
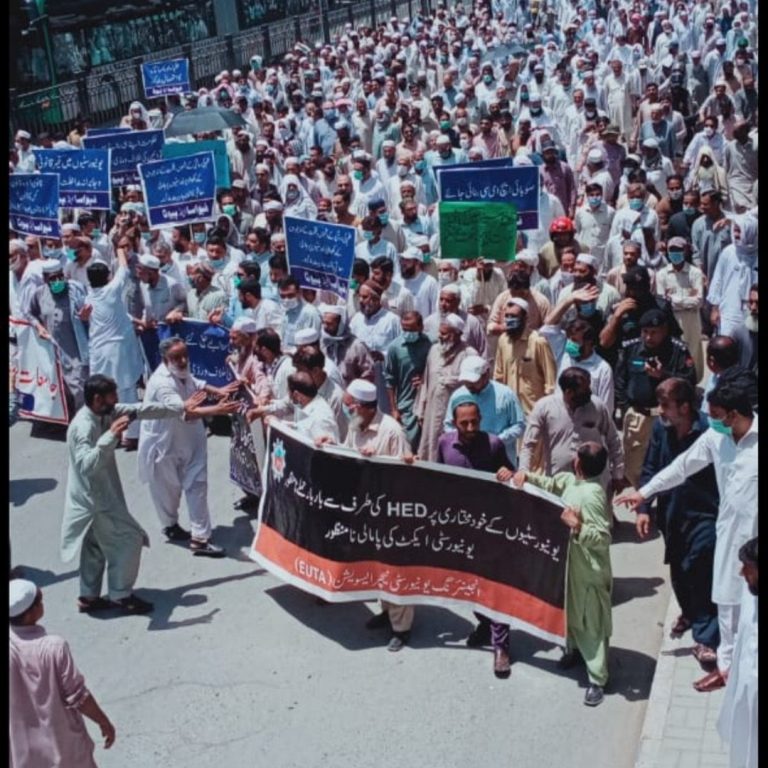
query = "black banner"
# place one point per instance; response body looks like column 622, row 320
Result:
column 347, row 527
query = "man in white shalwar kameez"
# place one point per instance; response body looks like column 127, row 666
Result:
column 95, row 511
column 173, row 453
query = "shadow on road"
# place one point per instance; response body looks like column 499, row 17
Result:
column 626, row 588
column 44, row 578
column 625, row 533
column 21, row 491
column 166, row 600
column 236, row 536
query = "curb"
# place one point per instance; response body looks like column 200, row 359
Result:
column 661, row 694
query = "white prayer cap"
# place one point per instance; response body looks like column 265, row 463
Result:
column 239, row 184
column 332, row 309
column 453, row 321
column 473, row 368
column 453, row 263
column 419, row 240
column 306, row 336
column 23, row 135
column 21, row 595
column 51, row 266
column 443, row 139
column 388, row 143
column 68, row 229
column 17, row 245
column 588, row 259
column 594, row 156
column 412, row 253
column 522, row 303
column 521, row 159
column 529, row 257
column 451, row 288
column 260, row 168
column 149, row 261
column 273, row 205
column 651, row 143
column 245, row 324
column 362, row 390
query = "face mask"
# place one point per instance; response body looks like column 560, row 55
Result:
column 464, row 143
column 587, row 309
column 291, row 195
column 58, row 286
column 217, row 264
column 420, row 166
column 237, row 280
column 199, row 237
column 719, row 426
column 354, row 285
column 444, row 278
column 594, row 202
column 229, row 209
column 636, row 204
column 709, row 131
column 96, row 233
column 289, row 304
column 513, row 324
column 689, row 211
column 675, row 194
column 145, row 236
column 347, row 413
column 166, row 268
column 358, row 175
column 535, row 111
column 573, row 349
column 524, row 97
column 567, row 278
column 402, row 170
column 676, row 257
column 487, row 78
column 384, row 219
column 71, row 254
column 330, row 114
column 368, row 235
column 409, row 337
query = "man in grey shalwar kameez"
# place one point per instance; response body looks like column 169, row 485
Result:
column 96, row 516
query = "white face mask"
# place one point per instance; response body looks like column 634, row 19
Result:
column 402, row 170
column 289, row 304
column 709, row 131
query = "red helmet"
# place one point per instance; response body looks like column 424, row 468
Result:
column 561, row 224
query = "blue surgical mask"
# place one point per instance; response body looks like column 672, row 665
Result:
column 573, row 349
column 689, row 211
column 636, row 204
column 409, row 337
column 594, row 202
column 218, row 264
column 587, row 309
column 96, row 233
column 719, row 426
column 384, row 219
column 58, row 286
column 145, row 236
column 676, row 257
column 199, row 237
column 368, row 235
column 420, row 165
column 71, row 254
column 513, row 323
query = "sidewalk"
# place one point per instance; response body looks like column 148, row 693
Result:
column 680, row 730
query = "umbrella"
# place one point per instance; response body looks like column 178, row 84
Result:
column 202, row 120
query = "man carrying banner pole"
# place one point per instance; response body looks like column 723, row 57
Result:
column 469, row 447
column 375, row 434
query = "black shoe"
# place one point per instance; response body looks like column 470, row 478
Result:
column 205, row 549
column 593, row 696
column 247, row 503
column 480, row 636
column 379, row 621
column 398, row 641
column 134, row 605
column 570, row 659
column 176, row 533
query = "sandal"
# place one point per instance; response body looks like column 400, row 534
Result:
column 91, row 604
column 704, row 655
column 680, row 627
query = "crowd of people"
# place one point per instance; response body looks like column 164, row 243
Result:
column 613, row 361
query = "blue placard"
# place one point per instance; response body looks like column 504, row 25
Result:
column 106, row 131
column 180, row 190
column 128, row 150
column 83, row 176
column 208, row 347
column 519, row 186
column 163, row 77
column 220, row 157
column 320, row 254
column 33, row 204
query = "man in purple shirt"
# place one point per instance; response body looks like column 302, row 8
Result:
column 469, row 447
column 558, row 178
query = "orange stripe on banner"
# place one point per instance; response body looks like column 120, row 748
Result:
column 406, row 580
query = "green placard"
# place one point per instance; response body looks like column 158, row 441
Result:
column 478, row 230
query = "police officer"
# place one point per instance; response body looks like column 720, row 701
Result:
column 644, row 362
column 623, row 323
